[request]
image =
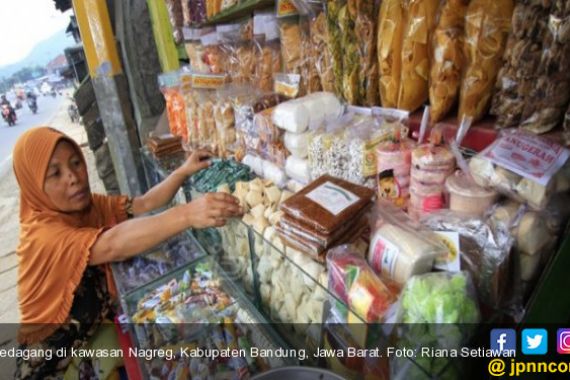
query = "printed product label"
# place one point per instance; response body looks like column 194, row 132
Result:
column 434, row 202
column 384, row 256
column 529, row 156
column 451, row 262
column 286, row 89
column 208, row 81
column 332, row 198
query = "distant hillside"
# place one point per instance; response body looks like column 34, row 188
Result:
column 42, row 53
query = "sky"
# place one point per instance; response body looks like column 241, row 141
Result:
column 24, row 23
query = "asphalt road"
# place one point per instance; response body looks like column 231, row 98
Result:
column 47, row 109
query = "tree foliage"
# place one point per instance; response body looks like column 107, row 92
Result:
column 23, row 75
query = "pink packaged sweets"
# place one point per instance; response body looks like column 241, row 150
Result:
column 393, row 163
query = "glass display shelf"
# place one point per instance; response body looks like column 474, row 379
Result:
column 158, row 168
column 199, row 307
column 145, row 268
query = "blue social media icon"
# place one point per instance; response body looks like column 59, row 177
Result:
column 503, row 340
column 534, row 341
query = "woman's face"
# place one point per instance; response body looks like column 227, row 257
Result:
column 66, row 182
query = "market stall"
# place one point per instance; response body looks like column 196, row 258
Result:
column 366, row 211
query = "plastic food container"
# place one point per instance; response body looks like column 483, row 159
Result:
column 426, row 157
column 390, row 155
column 426, row 202
column 467, row 197
column 431, row 176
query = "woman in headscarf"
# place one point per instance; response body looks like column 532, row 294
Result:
column 69, row 235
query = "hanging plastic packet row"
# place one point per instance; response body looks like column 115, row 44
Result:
column 200, row 96
column 170, row 86
column 268, row 49
column 236, row 41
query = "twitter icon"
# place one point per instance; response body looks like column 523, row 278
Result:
column 534, row 341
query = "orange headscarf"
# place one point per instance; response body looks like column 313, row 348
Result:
column 54, row 246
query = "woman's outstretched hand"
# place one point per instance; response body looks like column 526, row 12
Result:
column 198, row 160
column 213, row 210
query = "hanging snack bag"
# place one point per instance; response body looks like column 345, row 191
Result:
column 268, row 49
column 414, row 88
column 169, row 84
column 213, row 56
column 390, row 32
column 447, row 53
column 237, row 42
column 487, row 25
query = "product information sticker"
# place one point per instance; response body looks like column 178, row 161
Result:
column 532, row 157
column 332, row 198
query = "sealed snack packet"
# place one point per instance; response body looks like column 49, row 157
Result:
column 484, row 251
column 309, row 72
column 292, row 49
column 333, row 8
column 352, row 280
column 350, row 55
column 400, row 248
column 169, row 84
column 487, row 23
column 268, row 49
column 524, row 167
column 550, row 92
column 320, row 40
column 213, row 57
column 420, row 22
column 390, row 32
column 237, row 42
column 437, row 310
column 447, row 48
column 522, row 58
column 365, row 31
column 195, row 49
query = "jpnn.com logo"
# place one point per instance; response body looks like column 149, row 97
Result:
column 503, row 342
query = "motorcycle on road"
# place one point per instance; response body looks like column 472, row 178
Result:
column 33, row 105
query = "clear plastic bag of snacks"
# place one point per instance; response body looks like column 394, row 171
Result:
column 170, row 87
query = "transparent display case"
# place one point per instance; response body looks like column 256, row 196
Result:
column 157, row 169
column 165, row 258
column 193, row 312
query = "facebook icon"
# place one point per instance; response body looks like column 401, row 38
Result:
column 503, row 340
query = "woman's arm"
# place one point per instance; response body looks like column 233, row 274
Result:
column 163, row 192
column 135, row 236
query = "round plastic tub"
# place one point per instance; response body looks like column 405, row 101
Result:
column 467, row 197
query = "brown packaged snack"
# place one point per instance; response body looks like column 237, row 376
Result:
column 290, row 46
column 269, row 64
column 445, row 75
column 390, row 32
column 335, row 42
column 320, row 37
column 327, row 203
column 420, row 21
column 318, row 251
column 309, row 73
column 522, row 58
column 550, row 93
column 487, row 23
column 292, row 225
column 365, row 31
